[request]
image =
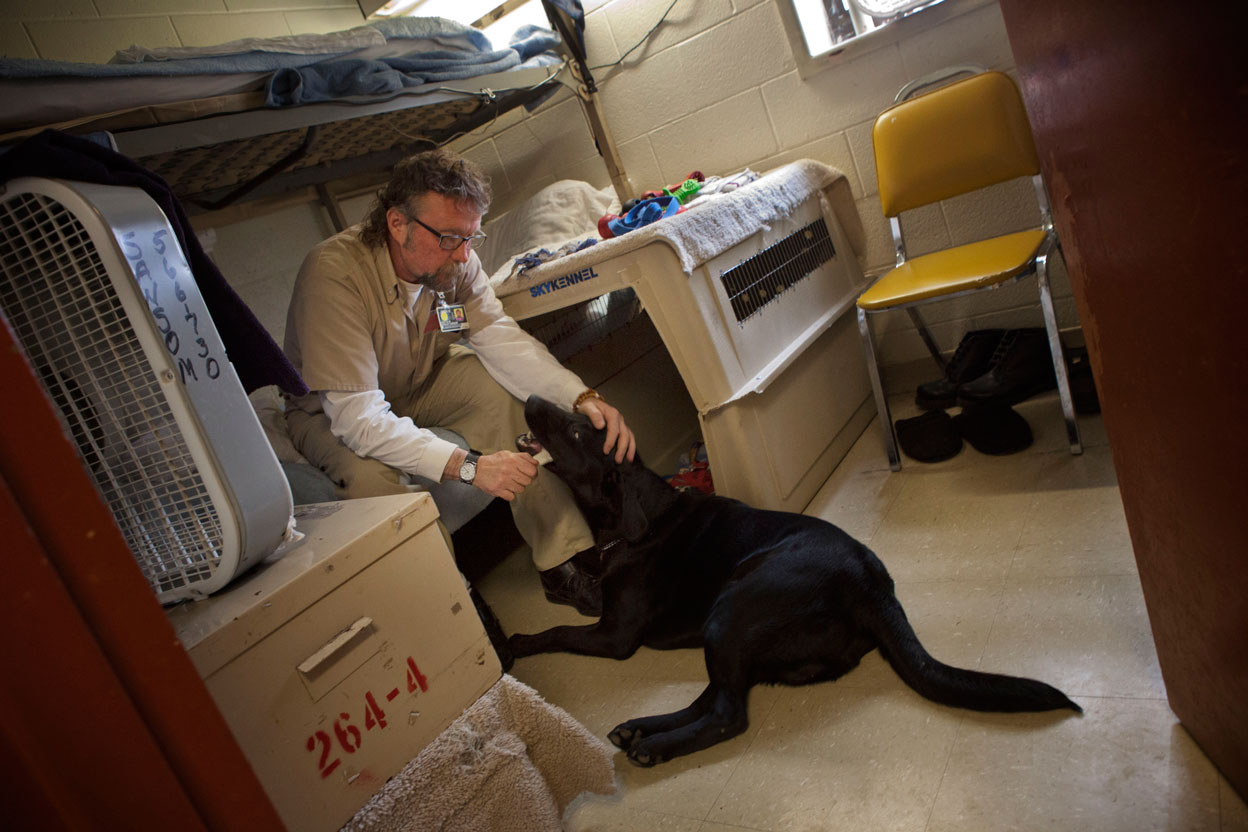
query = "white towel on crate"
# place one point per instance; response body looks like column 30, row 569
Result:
column 707, row 230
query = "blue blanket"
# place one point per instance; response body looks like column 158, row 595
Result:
column 441, row 49
column 342, row 77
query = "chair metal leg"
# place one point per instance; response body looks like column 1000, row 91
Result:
column 881, row 403
column 1059, row 359
column 928, row 340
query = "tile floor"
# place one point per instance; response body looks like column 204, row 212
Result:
column 1018, row 564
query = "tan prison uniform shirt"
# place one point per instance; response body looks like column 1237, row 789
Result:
column 354, row 326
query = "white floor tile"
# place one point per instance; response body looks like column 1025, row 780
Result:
column 952, row 619
column 1124, row 766
column 1075, row 525
column 1086, row 636
column 834, row 757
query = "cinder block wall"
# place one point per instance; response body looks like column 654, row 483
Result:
column 715, row 89
column 92, row 30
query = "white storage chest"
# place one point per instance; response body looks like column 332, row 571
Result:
column 338, row 663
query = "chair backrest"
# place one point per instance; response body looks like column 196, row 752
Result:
column 955, row 139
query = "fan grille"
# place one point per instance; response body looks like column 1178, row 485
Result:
column 65, row 312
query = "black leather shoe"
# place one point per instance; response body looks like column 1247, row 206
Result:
column 1021, row 367
column 493, row 629
column 571, row 584
column 590, row 562
column 971, row 359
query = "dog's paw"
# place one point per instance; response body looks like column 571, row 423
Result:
column 624, row 737
column 642, row 757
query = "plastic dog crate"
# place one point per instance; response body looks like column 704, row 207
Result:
column 762, row 335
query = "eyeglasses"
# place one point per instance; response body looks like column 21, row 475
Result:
column 450, row 242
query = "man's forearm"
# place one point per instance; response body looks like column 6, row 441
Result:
column 366, row 425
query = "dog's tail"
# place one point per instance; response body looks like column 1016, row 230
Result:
column 949, row 685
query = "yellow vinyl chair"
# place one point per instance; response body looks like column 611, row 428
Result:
column 961, row 137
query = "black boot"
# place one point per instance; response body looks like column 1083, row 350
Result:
column 971, row 359
column 1021, row 367
column 573, row 584
column 493, row 629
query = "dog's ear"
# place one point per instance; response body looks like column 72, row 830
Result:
column 627, row 508
column 632, row 516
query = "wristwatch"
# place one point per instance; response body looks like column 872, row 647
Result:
column 468, row 468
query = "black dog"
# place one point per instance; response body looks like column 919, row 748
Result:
column 772, row 597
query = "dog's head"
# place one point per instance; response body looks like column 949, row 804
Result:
column 616, row 498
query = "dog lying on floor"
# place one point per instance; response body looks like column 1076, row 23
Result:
column 772, row 597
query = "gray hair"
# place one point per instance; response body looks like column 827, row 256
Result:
column 434, row 171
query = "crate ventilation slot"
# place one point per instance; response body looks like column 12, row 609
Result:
column 754, row 283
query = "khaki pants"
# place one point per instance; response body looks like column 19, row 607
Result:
column 461, row 396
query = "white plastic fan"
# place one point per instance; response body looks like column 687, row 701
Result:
column 99, row 295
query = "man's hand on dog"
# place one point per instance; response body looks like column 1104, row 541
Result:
column 505, row 474
column 619, row 435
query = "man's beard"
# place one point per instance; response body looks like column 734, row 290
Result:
column 443, row 280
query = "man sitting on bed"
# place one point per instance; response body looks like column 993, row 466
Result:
column 372, row 327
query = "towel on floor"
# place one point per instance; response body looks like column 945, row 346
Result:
column 702, row 232
column 510, row 761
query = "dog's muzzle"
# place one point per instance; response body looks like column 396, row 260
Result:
column 527, row 443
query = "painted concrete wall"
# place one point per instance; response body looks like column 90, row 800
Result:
column 92, row 30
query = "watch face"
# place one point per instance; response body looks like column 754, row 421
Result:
column 467, row 471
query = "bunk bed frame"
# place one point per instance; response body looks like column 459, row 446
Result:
column 215, row 161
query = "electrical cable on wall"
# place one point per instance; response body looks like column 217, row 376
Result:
column 644, row 38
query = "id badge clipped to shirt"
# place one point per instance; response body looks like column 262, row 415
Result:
column 452, row 317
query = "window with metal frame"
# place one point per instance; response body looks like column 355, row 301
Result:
column 824, row 32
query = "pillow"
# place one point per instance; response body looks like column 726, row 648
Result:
column 563, row 211
column 271, row 411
